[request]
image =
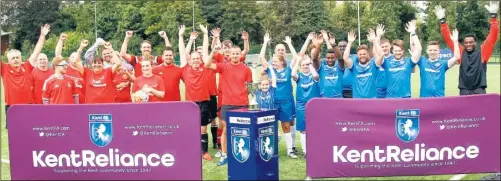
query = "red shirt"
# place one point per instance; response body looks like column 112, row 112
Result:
column 171, row 75
column 154, row 82
column 220, row 58
column 39, row 77
column 135, row 61
column 79, row 83
column 122, row 94
column 60, row 90
column 99, row 86
column 196, row 83
column 236, row 77
column 18, row 85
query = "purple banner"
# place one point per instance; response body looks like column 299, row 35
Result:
column 154, row 141
column 403, row 137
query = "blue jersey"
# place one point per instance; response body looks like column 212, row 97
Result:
column 331, row 80
column 364, row 85
column 283, row 91
column 265, row 99
column 381, row 77
column 398, row 77
column 307, row 88
column 347, row 77
column 432, row 77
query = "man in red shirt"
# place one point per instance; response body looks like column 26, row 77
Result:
column 145, row 51
column 16, row 75
column 40, row 73
column 235, row 75
column 148, row 87
column 59, row 88
column 72, row 70
column 171, row 75
column 122, row 81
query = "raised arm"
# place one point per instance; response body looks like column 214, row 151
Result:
column 346, row 56
column 166, row 39
column 307, row 42
column 44, row 30
column 339, row 55
column 182, row 49
column 454, row 60
column 83, row 44
column 59, row 46
column 262, row 53
column 123, row 50
column 245, row 37
column 273, row 76
column 288, row 41
column 295, row 67
column 325, row 36
column 193, row 37
column 444, row 27
column 488, row 45
column 215, row 37
column 377, row 44
column 117, row 62
column 205, row 46
column 91, row 52
column 416, row 51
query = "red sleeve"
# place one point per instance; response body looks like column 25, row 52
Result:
column 3, row 68
column 28, row 66
column 135, row 86
column 219, row 58
column 45, row 91
column 242, row 58
column 132, row 57
column 249, row 74
column 161, row 85
column 220, row 67
column 489, row 43
column 446, row 33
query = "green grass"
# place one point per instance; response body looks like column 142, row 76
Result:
column 296, row 169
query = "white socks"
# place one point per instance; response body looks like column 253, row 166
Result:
column 288, row 142
column 303, row 141
column 293, row 134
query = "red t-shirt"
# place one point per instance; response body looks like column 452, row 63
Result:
column 154, row 82
column 123, row 94
column 39, row 77
column 18, row 84
column 220, row 58
column 196, row 83
column 171, row 75
column 99, row 86
column 60, row 90
column 135, row 61
column 79, row 83
column 236, row 77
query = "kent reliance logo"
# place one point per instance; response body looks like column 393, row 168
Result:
column 101, row 134
column 407, row 129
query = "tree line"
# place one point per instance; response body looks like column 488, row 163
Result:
column 280, row 18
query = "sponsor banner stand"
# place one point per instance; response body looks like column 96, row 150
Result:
column 154, row 141
column 252, row 144
column 403, row 137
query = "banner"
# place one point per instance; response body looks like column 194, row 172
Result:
column 445, row 54
column 403, row 137
column 154, row 141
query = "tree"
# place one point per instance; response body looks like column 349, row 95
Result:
column 432, row 29
column 211, row 11
column 473, row 20
column 238, row 17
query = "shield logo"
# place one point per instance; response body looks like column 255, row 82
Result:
column 407, row 125
column 100, row 129
column 240, row 148
column 266, row 147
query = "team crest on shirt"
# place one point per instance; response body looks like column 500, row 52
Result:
column 240, row 144
column 407, row 124
column 69, row 84
column 437, row 64
column 266, row 142
column 100, row 129
column 402, row 62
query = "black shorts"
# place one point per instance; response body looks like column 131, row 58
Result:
column 465, row 92
column 347, row 93
column 226, row 108
column 6, row 108
column 204, row 112
column 213, row 107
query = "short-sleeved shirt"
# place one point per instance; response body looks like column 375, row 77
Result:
column 432, row 77
column 39, row 77
column 154, row 82
column 18, row 84
column 171, row 75
column 235, row 79
column 99, row 86
column 398, row 77
column 196, row 83
column 364, row 84
column 59, row 90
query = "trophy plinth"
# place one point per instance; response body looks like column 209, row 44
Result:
column 251, row 89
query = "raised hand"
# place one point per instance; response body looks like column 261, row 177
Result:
column 311, row 35
column 288, row 40
column 193, row 35
column 44, row 30
column 325, row 35
column 216, row 32
column 492, row 7
column 318, row 40
column 100, row 41
column 267, row 38
column 162, row 34
column 332, row 39
column 63, row 36
column 245, row 35
column 128, row 34
column 455, row 35
column 440, row 12
column 203, row 29
column 351, row 36
column 371, row 35
column 84, row 43
column 411, row 26
column 181, row 30
column 380, row 30
column 107, row 45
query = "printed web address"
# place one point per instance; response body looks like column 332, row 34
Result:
column 458, row 120
column 52, row 128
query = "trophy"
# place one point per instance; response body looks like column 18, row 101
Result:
column 251, row 89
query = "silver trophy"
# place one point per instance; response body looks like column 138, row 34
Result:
column 251, row 89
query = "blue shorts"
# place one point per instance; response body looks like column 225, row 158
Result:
column 381, row 93
column 286, row 110
column 300, row 119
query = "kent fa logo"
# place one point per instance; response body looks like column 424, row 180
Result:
column 100, row 129
column 240, row 141
column 266, row 142
column 407, row 124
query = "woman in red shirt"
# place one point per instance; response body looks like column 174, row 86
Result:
column 148, row 87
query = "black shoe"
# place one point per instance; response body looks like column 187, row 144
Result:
column 294, row 150
column 214, row 146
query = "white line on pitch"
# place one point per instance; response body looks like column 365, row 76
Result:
column 5, row 161
column 458, row 176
